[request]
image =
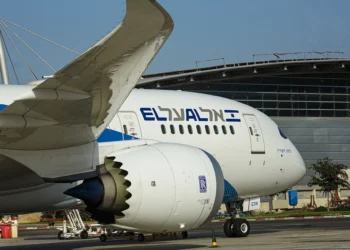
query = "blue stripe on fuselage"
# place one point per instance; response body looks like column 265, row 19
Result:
column 110, row 135
column 2, row 106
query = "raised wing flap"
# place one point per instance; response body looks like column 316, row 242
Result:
column 77, row 104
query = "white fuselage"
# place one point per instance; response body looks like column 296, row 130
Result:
column 254, row 168
column 256, row 160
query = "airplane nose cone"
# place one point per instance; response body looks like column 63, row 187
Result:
column 90, row 191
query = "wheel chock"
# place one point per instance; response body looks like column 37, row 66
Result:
column 214, row 243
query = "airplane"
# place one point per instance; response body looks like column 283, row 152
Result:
column 140, row 160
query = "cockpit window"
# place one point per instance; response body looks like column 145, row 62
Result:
column 283, row 134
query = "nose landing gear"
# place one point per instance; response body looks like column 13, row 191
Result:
column 236, row 227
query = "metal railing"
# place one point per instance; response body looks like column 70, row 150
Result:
column 211, row 60
column 278, row 55
column 241, row 64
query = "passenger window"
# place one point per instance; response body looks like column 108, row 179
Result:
column 163, row 129
column 207, row 129
column 125, row 128
column 232, row 130
column 181, row 128
column 216, row 130
column 199, row 129
column 172, row 129
column 224, row 129
column 190, row 131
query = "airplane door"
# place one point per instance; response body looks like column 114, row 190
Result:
column 130, row 125
column 256, row 135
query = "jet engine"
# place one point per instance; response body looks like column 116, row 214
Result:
column 155, row 188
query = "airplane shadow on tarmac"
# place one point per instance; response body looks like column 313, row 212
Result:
column 89, row 245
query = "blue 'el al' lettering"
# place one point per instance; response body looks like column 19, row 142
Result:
column 147, row 114
column 232, row 114
column 158, row 117
column 200, row 118
column 190, row 115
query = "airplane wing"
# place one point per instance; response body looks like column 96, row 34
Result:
column 74, row 106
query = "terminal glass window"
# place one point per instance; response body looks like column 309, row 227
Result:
column 304, row 95
column 305, row 194
column 320, row 194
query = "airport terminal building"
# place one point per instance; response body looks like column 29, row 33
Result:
column 308, row 98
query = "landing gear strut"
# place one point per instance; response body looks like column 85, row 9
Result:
column 236, row 227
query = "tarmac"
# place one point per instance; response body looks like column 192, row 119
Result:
column 279, row 234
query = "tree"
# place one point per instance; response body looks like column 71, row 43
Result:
column 329, row 176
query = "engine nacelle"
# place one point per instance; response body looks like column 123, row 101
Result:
column 156, row 188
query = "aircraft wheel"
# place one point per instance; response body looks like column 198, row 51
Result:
column 60, row 235
column 242, row 228
column 229, row 228
column 84, row 235
column 103, row 238
column 141, row 237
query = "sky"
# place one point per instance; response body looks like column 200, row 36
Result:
column 204, row 29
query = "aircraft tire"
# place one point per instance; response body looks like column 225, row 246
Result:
column 84, row 234
column 242, row 228
column 103, row 238
column 229, row 228
column 60, row 235
column 141, row 237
